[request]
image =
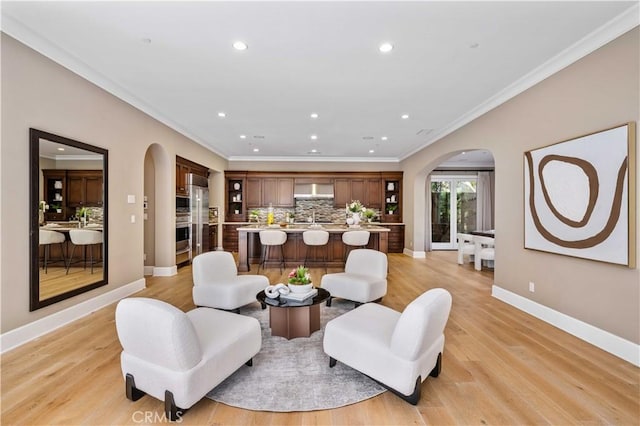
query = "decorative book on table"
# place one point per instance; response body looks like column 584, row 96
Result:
column 298, row 297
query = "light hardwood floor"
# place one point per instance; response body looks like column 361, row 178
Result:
column 501, row 366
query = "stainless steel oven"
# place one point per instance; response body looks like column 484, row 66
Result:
column 183, row 237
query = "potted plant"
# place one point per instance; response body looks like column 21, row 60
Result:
column 254, row 216
column 369, row 214
column 392, row 208
column 57, row 207
column 300, row 280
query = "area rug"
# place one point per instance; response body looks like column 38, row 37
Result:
column 294, row 375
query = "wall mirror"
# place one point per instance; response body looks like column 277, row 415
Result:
column 68, row 218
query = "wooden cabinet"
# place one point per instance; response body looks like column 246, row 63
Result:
column 396, row 239
column 54, row 194
column 277, row 191
column 235, row 204
column 368, row 190
column 183, row 168
column 213, row 237
column 254, row 192
column 84, row 188
column 230, row 237
column 262, row 191
column 392, row 208
column 341, row 192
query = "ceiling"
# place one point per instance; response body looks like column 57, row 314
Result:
column 450, row 62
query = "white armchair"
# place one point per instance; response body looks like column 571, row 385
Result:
column 484, row 250
column 216, row 283
column 364, row 278
column 397, row 350
column 466, row 247
column 179, row 357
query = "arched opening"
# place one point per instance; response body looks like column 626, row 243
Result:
column 453, row 193
column 159, row 238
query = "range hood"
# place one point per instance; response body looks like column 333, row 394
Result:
column 313, row 190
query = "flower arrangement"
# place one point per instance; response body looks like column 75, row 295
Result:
column 42, row 205
column 299, row 276
column 355, row 206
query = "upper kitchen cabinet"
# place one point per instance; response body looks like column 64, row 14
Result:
column 55, row 193
column 84, row 188
column 183, row 168
column 263, row 191
column 365, row 188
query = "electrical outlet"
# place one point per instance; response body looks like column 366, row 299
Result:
column 532, row 287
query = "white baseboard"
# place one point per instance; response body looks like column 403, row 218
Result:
column 148, row 270
column 604, row 340
column 414, row 254
column 165, row 271
column 21, row 335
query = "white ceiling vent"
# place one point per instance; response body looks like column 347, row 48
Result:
column 424, row 132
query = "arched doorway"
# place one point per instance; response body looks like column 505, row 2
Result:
column 452, row 193
column 159, row 238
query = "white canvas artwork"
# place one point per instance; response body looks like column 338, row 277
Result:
column 576, row 197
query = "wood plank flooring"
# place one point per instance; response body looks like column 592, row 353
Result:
column 501, row 366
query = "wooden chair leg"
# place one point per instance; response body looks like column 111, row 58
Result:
column 133, row 393
column 332, row 362
column 172, row 412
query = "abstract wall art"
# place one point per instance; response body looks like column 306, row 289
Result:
column 579, row 197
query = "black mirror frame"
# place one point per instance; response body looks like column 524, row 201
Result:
column 34, row 181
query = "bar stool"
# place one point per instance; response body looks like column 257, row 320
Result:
column 84, row 237
column 269, row 239
column 354, row 239
column 46, row 238
column 316, row 238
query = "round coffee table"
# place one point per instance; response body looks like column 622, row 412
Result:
column 290, row 319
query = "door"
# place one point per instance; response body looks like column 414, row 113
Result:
column 453, row 209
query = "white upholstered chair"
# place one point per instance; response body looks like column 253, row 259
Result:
column 364, row 278
column 46, row 238
column 357, row 239
column 466, row 247
column 397, row 350
column 87, row 239
column 216, row 283
column 271, row 238
column 484, row 250
column 179, row 357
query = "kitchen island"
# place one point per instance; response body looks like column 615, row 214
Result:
column 250, row 249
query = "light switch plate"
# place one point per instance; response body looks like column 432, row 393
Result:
column 131, row 199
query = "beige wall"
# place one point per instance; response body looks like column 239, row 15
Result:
column 39, row 93
column 597, row 92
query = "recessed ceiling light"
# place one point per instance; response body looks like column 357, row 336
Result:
column 314, row 115
column 386, row 47
column 222, row 114
column 256, row 149
column 384, row 138
column 463, row 153
column 371, row 151
column 314, row 150
column 243, row 136
column 314, row 137
column 60, row 149
column 405, row 116
column 240, row 45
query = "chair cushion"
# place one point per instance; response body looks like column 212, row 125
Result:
column 356, row 287
column 157, row 332
column 421, row 323
column 230, row 293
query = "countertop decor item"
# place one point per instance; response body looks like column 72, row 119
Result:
column 300, row 280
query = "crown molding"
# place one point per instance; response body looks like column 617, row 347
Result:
column 318, row 159
column 608, row 32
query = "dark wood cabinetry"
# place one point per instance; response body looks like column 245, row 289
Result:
column 84, row 188
column 235, row 184
column 396, row 239
column 230, row 237
column 55, row 193
column 263, row 191
column 366, row 189
column 213, row 237
column 183, row 168
column 392, row 206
